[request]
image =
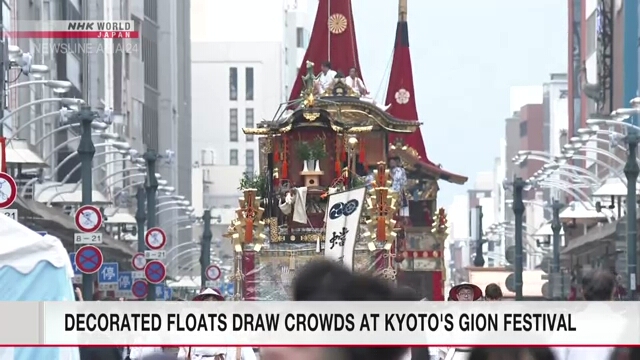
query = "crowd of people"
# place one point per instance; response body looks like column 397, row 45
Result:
column 328, row 281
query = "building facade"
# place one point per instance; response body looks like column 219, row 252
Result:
column 239, row 78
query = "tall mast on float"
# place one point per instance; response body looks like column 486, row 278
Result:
column 400, row 91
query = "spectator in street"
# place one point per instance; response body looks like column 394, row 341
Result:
column 212, row 352
column 493, row 292
column 512, row 354
column 323, row 280
column 597, row 286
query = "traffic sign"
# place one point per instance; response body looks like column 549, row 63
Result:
column 140, row 289
column 12, row 213
column 510, row 282
column 77, row 274
column 88, row 218
column 168, row 293
column 155, row 238
column 160, row 292
column 124, row 281
column 89, row 259
column 155, row 272
column 108, row 276
column 42, row 233
column 210, row 284
column 510, row 254
column 8, row 190
column 213, row 272
column 155, row 254
column 139, row 261
column 87, row 238
column 136, row 275
column 230, row 289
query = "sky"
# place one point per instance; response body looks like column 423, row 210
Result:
column 466, row 55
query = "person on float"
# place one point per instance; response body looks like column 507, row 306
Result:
column 355, row 83
column 465, row 292
column 325, row 78
column 215, row 353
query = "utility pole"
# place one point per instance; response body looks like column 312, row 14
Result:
column 518, row 210
column 151, row 187
column 205, row 248
column 141, row 218
column 556, row 226
column 86, row 150
column 478, row 261
column 631, row 171
column 4, row 59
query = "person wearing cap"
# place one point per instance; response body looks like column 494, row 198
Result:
column 215, row 353
column 465, row 292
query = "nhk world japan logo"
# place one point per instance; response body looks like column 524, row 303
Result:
column 74, row 30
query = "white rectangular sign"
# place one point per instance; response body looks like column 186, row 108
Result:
column 12, row 213
column 155, row 254
column 342, row 225
column 135, row 275
column 210, row 284
column 108, row 287
column 87, row 238
column 124, row 294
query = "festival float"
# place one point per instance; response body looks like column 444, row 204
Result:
column 328, row 190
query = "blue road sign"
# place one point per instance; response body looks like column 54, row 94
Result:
column 140, row 288
column 125, row 280
column 72, row 257
column 108, row 274
column 168, row 293
column 42, row 233
column 89, row 259
column 229, row 289
column 159, row 292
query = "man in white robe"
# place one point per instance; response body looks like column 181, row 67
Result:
column 355, row 83
column 325, row 78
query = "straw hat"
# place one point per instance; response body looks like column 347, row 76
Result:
column 477, row 292
column 209, row 293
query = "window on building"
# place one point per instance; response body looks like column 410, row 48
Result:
column 248, row 83
column 249, row 162
column 233, row 125
column 233, row 157
column 592, row 35
column 523, row 129
column 300, row 38
column 249, row 122
column 233, row 84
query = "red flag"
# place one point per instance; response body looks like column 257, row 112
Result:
column 400, row 92
column 333, row 39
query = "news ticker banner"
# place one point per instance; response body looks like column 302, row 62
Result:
column 452, row 324
column 73, row 30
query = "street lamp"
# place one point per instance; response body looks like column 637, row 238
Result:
column 205, row 247
column 58, row 86
column 65, row 101
column 190, row 209
column 518, row 185
column 32, row 121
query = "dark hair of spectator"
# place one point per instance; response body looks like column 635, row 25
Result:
column 406, row 293
column 598, row 285
column 323, row 280
column 493, row 292
column 327, row 64
column 511, row 354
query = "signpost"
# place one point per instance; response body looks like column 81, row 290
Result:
column 139, row 289
column 155, row 254
column 12, row 213
column 155, row 271
column 155, row 238
column 88, row 219
column 125, row 282
column 89, row 259
column 213, row 272
column 77, row 274
column 87, row 238
column 139, row 261
column 108, row 277
column 8, row 190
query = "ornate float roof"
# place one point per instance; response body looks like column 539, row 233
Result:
column 338, row 109
column 413, row 163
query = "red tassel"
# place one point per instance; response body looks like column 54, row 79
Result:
column 276, row 153
column 285, row 169
column 338, row 167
